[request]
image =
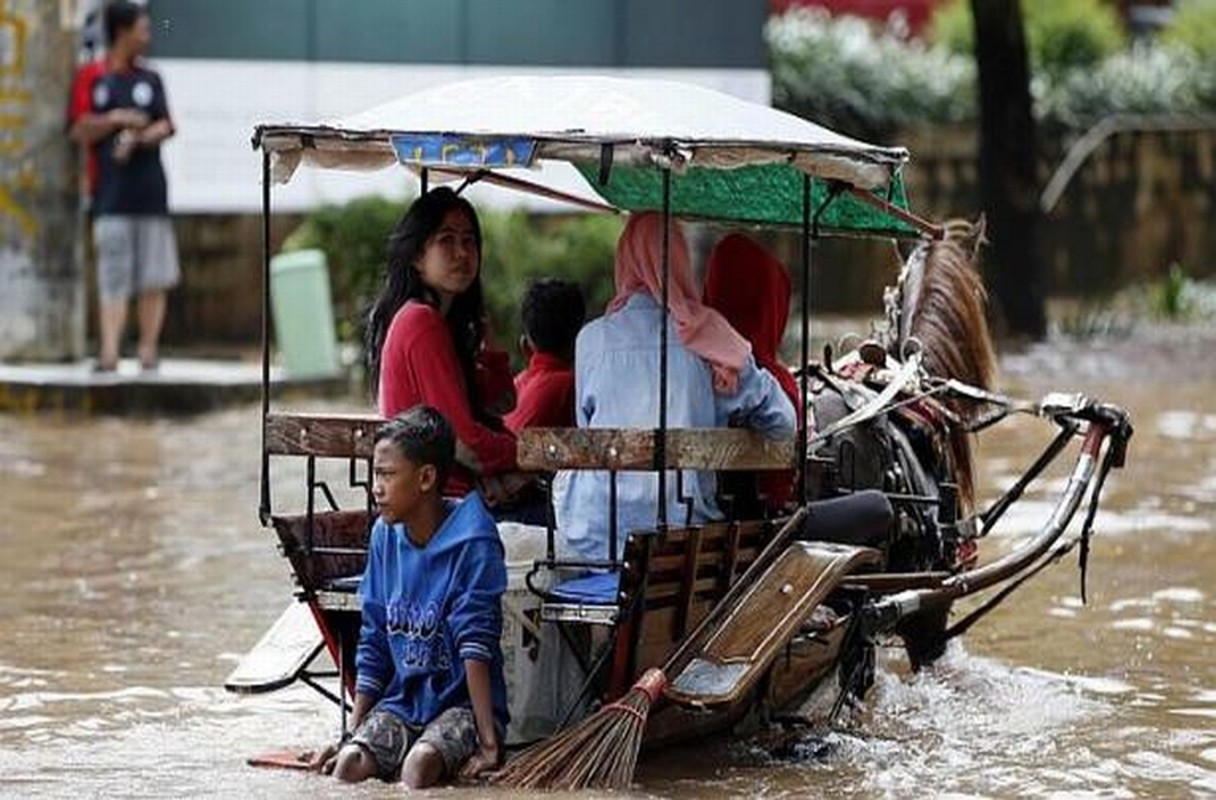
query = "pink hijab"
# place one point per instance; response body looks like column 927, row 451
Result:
column 639, row 268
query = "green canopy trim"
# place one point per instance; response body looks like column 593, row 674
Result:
column 768, row 194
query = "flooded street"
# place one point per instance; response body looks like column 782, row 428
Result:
column 133, row 574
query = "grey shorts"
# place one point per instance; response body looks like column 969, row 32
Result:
column 135, row 254
column 388, row 739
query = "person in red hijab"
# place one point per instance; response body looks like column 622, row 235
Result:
column 750, row 288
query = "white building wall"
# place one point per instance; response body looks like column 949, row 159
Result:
column 216, row 104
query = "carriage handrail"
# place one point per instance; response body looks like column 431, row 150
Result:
column 1107, row 425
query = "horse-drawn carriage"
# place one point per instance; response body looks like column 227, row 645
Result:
column 751, row 617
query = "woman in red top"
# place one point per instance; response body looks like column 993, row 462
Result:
column 427, row 340
column 750, row 287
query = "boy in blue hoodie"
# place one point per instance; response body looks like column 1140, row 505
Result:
column 430, row 699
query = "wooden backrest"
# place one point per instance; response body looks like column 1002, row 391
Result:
column 325, row 545
column 687, row 570
column 551, row 449
column 322, row 435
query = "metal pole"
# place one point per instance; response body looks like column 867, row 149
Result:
column 424, row 176
column 264, row 508
column 660, row 445
column 804, row 374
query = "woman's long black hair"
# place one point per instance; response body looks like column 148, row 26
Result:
column 465, row 317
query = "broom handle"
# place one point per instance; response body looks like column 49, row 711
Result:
column 754, row 570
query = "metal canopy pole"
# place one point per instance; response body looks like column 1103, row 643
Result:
column 803, row 379
column 264, row 507
column 660, row 445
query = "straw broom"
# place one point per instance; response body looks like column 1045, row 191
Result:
column 601, row 751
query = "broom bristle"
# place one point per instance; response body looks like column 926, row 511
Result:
column 599, row 752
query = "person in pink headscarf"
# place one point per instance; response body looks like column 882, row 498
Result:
column 712, row 381
column 751, row 289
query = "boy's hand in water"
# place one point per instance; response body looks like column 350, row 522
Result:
column 484, row 760
column 325, row 759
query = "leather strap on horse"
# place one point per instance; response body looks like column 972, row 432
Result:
column 879, row 405
column 1108, row 462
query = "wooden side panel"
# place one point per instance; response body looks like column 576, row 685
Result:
column 346, row 531
column 729, row 659
column 324, row 435
column 549, row 449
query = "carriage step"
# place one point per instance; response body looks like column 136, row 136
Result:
column 281, row 655
column 738, row 652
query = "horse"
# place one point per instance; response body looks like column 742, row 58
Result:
column 920, row 452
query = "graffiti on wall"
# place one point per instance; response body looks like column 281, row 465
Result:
column 17, row 175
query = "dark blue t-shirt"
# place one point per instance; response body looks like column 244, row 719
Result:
column 137, row 186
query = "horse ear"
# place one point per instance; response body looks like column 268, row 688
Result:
column 968, row 235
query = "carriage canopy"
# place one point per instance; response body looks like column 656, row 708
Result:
column 604, row 141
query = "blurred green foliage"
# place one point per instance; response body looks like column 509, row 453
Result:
column 1061, row 35
column 1193, row 28
column 1170, row 293
column 516, row 248
column 872, row 82
column 520, row 247
column 847, row 74
column 354, row 237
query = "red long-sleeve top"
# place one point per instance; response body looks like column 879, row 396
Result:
column 418, row 364
column 544, row 395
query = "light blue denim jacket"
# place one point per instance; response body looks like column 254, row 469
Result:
column 617, row 386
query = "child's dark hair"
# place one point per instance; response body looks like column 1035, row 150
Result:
column 121, row 15
column 424, row 436
column 406, row 245
column 553, row 313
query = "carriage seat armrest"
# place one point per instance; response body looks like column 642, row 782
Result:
column 633, row 449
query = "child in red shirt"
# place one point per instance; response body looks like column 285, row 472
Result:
column 427, row 342
column 553, row 312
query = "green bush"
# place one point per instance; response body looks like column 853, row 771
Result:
column 516, row 248
column 868, row 82
column 354, row 237
column 847, row 74
column 1062, row 35
column 520, row 247
column 1193, row 28
column 1144, row 80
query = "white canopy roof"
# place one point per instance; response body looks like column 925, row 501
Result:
column 571, row 118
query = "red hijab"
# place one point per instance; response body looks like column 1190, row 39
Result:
column 751, row 288
column 639, row 268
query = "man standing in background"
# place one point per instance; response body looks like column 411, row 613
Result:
column 119, row 110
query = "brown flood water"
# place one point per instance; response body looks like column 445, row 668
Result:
column 133, row 574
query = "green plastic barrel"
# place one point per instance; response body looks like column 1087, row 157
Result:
column 303, row 314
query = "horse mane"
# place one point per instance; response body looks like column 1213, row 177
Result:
column 944, row 313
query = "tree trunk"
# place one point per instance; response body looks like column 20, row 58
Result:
column 1009, row 188
column 41, row 280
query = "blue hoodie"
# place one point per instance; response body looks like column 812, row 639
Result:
column 427, row 609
